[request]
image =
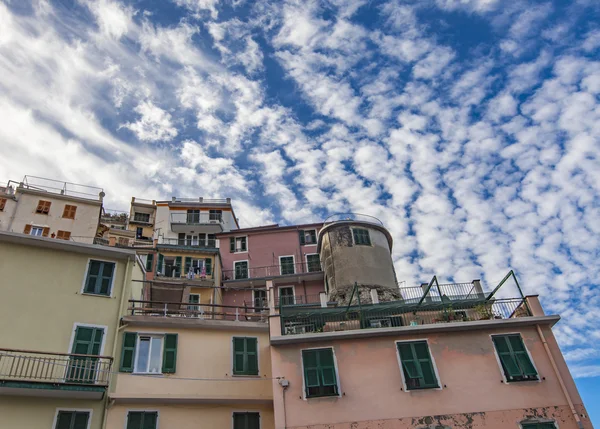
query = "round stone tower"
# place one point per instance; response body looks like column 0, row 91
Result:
column 357, row 249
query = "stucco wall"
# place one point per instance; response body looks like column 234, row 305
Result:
column 345, row 263
column 7, row 213
column 205, row 354
column 83, row 227
column 371, row 381
column 42, row 298
column 39, row 413
column 191, row 416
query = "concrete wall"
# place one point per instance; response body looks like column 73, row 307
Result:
column 372, row 387
column 83, row 228
column 202, row 353
column 191, row 416
column 7, row 214
column 345, row 263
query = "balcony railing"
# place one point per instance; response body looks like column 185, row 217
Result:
column 295, row 320
column 302, row 300
column 207, row 244
column 202, row 200
column 201, row 218
column 62, row 368
column 62, row 188
column 193, row 311
column 241, row 273
column 356, row 217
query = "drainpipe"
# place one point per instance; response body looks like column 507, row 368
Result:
column 284, row 384
column 114, row 349
column 558, row 376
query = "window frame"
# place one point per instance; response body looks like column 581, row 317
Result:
column 433, row 364
column 41, row 228
column 286, row 287
column 234, row 412
column 293, row 265
column 140, row 220
column 72, row 208
column 88, row 325
column 233, row 374
column 139, row 335
column 335, row 367
column 90, row 411
column 307, row 263
column 3, row 204
column 499, row 361
column 247, row 268
column 142, row 410
column 266, row 307
column 66, row 238
column 47, row 204
column 361, row 244
column 537, row 422
column 306, row 243
column 235, row 239
column 112, row 283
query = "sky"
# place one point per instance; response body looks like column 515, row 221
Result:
column 471, row 128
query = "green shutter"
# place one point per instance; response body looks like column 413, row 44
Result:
column 302, row 239
column 319, row 368
column 239, row 347
column 244, row 245
column 311, row 370
column 251, row 356
column 149, row 420
column 513, row 356
column 231, row 244
column 313, row 236
column 159, row 266
column 128, row 351
column 141, row 420
column 149, row 261
column 72, row 420
column 170, row 354
column 545, row 425
column 521, row 355
column 208, row 263
column 245, row 356
column 417, row 365
column 327, row 367
column 178, row 261
column 188, row 265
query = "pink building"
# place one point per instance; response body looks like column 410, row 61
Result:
column 284, row 256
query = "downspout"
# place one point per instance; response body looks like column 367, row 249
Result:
column 126, row 277
column 560, row 380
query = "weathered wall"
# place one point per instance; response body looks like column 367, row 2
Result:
column 371, row 381
column 191, row 416
column 345, row 263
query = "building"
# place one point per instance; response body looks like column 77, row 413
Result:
column 142, row 215
column 60, row 310
column 49, row 208
column 433, row 356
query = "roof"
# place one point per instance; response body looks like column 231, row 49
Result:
column 66, row 246
column 270, row 228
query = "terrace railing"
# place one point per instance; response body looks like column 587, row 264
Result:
column 192, row 311
column 208, row 244
column 357, row 217
column 196, row 218
column 62, row 368
column 272, row 271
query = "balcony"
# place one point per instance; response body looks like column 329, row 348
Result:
column 209, row 223
column 289, row 272
column 41, row 374
column 184, row 242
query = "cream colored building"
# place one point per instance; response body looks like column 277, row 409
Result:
column 60, row 310
column 48, row 208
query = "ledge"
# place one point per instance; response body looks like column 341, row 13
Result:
column 184, row 399
column 411, row 330
column 194, row 323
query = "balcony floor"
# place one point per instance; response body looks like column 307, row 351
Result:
column 51, row 390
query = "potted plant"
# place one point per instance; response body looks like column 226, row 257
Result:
column 484, row 311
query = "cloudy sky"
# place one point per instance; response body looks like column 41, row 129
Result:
column 471, row 128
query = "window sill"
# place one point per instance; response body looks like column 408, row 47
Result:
column 96, row 295
column 336, row 395
column 529, row 380
column 246, row 375
column 416, row 389
column 146, row 373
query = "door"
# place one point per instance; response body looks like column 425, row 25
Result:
column 286, row 295
column 194, row 299
column 87, row 341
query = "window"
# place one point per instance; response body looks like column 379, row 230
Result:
column 197, row 267
column 122, row 241
column 63, row 235
column 149, row 261
column 237, row 244
column 72, row 419
column 37, row 231
column 141, row 217
column 245, row 356
column 139, row 232
column 286, row 295
column 538, row 425
column 86, row 341
column 313, row 263
column 286, row 264
column 212, row 240
column 215, row 215
column 193, row 216
column 142, row 419
column 153, row 354
column 319, row 373
column 417, row 365
column 69, row 211
column 194, row 298
column 516, row 363
column 308, row 236
column 260, row 300
column 43, row 207
column 361, row 236
column 99, row 277
column 241, row 269
column 246, row 421
column 2, row 204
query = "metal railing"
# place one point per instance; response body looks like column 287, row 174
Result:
column 272, row 271
column 454, row 290
column 208, row 244
column 62, row 188
column 358, row 217
column 63, row 368
column 301, row 300
column 101, row 241
column 201, row 218
column 393, row 314
column 202, row 200
column 198, row 311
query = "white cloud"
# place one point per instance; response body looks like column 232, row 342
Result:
column 153, row 125
column 113, row 18
column 199, row 6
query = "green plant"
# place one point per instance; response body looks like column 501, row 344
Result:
column 484, row 311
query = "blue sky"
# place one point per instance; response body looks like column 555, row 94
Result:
column 471, row 128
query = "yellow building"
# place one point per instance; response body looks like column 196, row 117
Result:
column 60, row 313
